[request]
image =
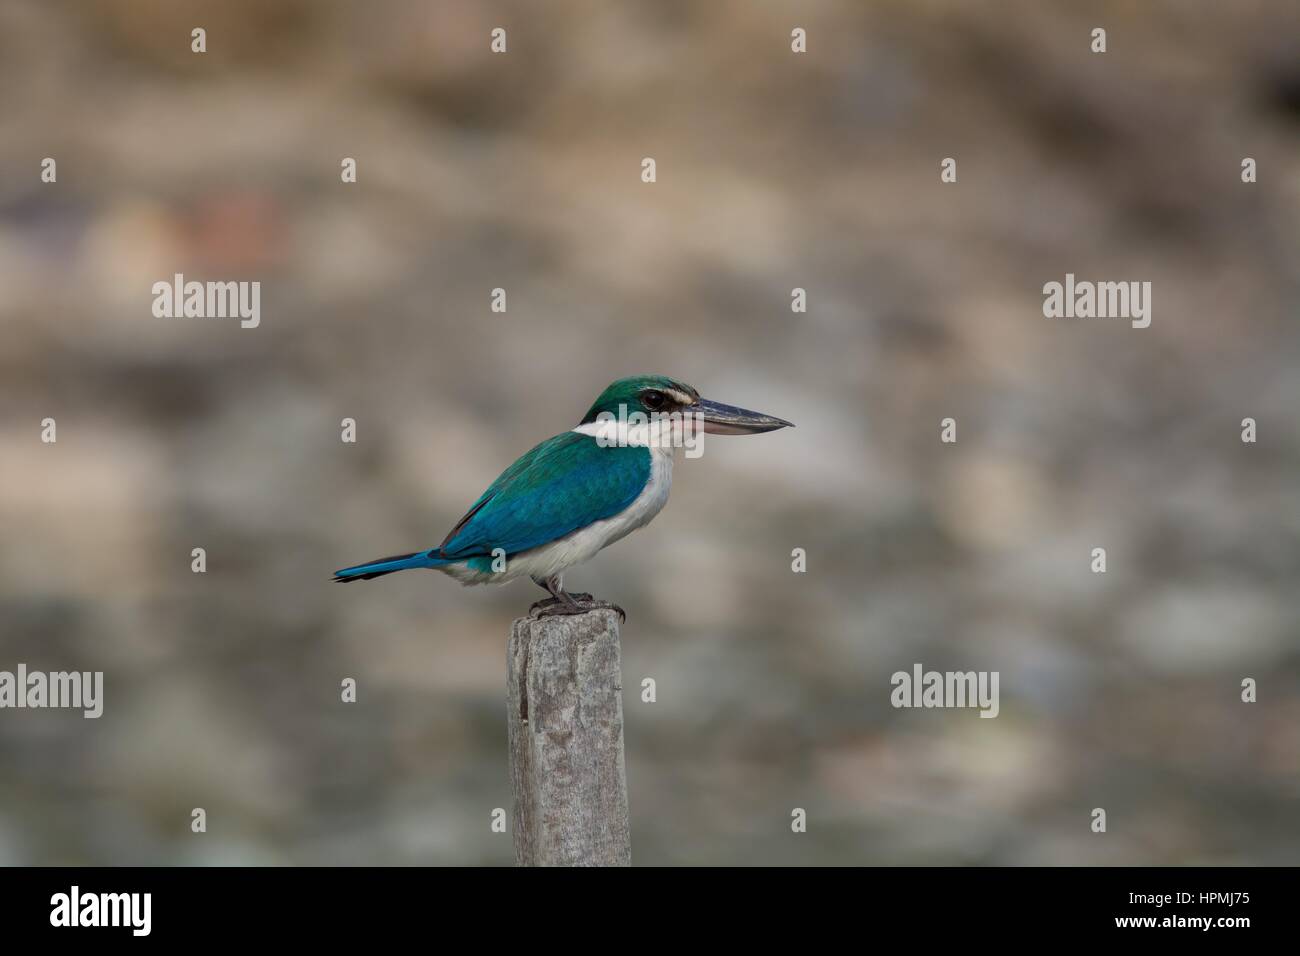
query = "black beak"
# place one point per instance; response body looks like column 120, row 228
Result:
column 722, row 419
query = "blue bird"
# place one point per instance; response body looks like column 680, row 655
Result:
column 576, row 493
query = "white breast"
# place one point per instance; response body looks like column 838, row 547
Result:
column 583, row 545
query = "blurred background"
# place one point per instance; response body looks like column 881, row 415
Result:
column 775, row 170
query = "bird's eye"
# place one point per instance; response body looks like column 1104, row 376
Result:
column 654, row 400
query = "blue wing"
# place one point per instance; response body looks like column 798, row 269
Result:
column 563, row 484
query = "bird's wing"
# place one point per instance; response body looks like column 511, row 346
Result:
column 563, row 484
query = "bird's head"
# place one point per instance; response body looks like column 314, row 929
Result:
column 659, row 395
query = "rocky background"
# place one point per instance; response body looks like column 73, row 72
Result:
column 775, row 170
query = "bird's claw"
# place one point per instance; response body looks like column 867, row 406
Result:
column 593, row 605
column 543, row 607
column 578, row 604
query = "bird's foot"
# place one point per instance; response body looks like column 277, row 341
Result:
column 545, row 607
column 577, row 604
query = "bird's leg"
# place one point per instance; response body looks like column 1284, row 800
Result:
column 559, row 598
column 563, row 604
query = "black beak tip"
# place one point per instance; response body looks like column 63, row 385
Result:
column 771, row 423
column 768, row 423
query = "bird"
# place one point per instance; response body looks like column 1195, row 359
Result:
column 577, row 493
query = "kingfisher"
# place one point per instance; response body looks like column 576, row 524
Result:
column 577, row 493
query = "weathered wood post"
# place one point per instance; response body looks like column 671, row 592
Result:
column 565, row 713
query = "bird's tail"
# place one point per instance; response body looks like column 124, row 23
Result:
column 381, row 566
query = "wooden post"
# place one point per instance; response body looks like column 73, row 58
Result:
column 565, row 715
